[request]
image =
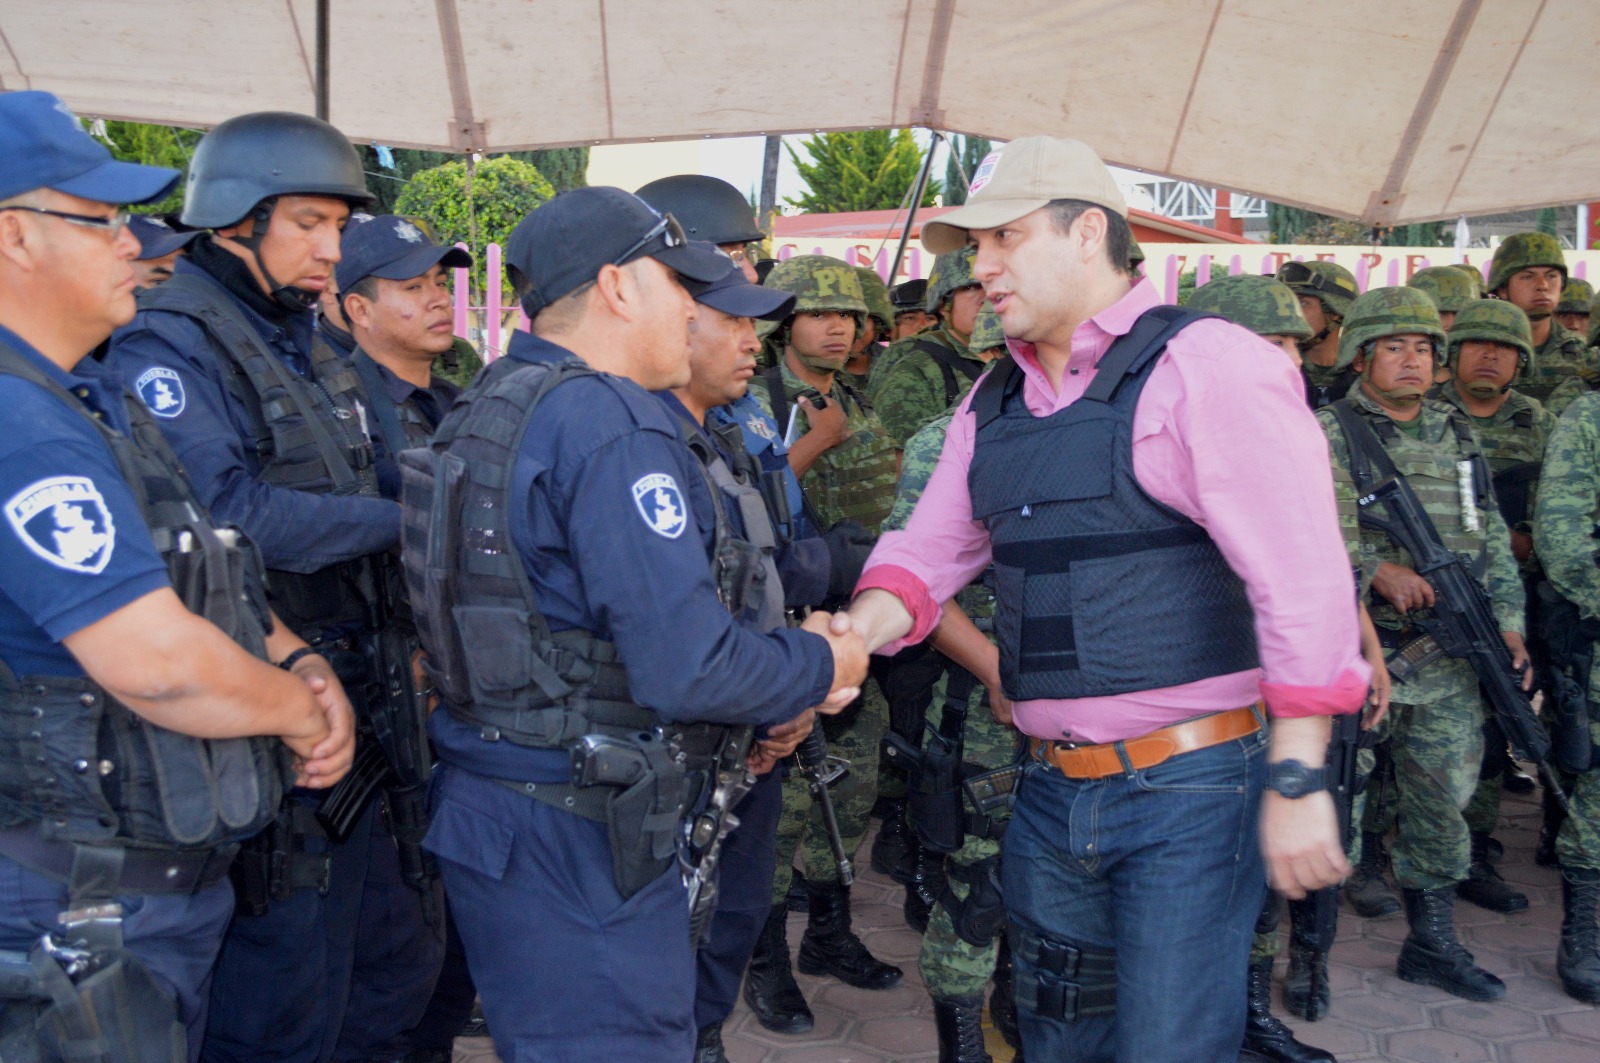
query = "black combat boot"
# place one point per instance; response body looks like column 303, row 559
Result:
column 1578, row 959
column 1484, row 886
column 959, row 1021
column 708, row 1046
column 769, row 985
column 924, row 889
column 1266, row 1038
column 1003, row 1001
column 889, row 847
column 796, row 898
column 1549, row 826
column 831, row 947
column 1304, row 962
column 1433, row 955
column 1369, row 895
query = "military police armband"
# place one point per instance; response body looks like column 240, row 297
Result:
column 288, row 663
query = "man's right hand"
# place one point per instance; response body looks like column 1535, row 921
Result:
column 849, row 659
column 828, row 422
column 1401, row 587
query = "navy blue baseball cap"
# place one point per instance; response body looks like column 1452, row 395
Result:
column 43, row 146
column 735, row 296
column 563, row 244
column 393, row 248
column 157, row 239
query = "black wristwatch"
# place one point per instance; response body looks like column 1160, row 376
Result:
column 1293, row 779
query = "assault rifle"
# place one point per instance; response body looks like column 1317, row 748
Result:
column 819, row 771
column 704, row 834
column 1462, row 623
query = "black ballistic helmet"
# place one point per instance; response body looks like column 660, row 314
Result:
column 260, row 156
column 708, row 208
column 908, row 295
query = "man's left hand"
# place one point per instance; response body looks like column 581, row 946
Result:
column 782, row 739
column 1519, row 657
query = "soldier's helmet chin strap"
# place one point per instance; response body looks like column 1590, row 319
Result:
column 295, row 300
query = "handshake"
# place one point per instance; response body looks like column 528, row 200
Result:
column 849, row 657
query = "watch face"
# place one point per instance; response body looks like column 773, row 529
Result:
column 1293, row 779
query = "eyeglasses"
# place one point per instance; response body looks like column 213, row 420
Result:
column 112, row 223
column 667, row 229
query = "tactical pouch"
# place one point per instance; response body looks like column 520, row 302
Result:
column 111, row 1010
column 980, row 917
column 934, row 803
column 1060, row 980
column 642, row 834
column 276, row 863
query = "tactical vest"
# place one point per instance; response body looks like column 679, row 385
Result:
column 854, row 480
column 400, row 426
column 78, row 766
column 309, row 437
column 1431, row 470
column 1100, row 588
column 1515, row 453
column 950, row 363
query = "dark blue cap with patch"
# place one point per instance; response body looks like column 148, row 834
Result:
column 43, row 146
column 157, row 239
column 564, row 244
column 735, row 296
column 393, row 248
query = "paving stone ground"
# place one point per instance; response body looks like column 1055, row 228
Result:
column 1374, row 1016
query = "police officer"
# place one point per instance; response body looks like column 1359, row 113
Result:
column 910, row 316
column 846, row 466
column 710, row 209
column 1451, row 289
column 1530, row 270
column 723, row 346
column 1563, row 530
column 1325, row 291
column 1573, row 309
column 273, row 431
column 919, row 378
column 1391, row 337
column 143, row 715
column 159, row 248
column 588, row 667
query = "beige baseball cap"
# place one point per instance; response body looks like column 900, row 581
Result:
column 1017, row 179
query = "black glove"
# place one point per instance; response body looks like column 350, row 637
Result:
column 848, row 546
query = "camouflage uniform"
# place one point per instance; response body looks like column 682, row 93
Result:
column 1335, row 287
column 1562, row 357
column 950, row 272
column 1563, row 527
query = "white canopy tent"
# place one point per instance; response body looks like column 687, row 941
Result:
column 1391, row 111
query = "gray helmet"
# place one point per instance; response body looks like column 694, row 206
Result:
column 1451, row 290
column 257, row 157
column 708, row 208
column 1261, row 304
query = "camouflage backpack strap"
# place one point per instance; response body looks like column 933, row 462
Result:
column 950, row 363
column 1366, row 451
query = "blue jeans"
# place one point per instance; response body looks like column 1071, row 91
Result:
column 1159, row 866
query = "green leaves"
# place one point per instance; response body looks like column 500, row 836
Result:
column 873, row 169
column 502, row 191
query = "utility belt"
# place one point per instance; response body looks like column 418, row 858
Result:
column 1105, row 759
column 278, row 862
column 119, row 870
column 643, row 786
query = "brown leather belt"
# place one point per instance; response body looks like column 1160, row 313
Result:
column 1146, row 751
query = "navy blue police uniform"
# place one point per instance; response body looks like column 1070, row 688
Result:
column 614, row 548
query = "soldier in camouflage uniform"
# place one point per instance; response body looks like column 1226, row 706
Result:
column 1530, row 269
column 1572, row 312
column 1268, row 308
column 1564, row 523
column 1450, row 288
column 875, row 329
column 1325, row 291
column 909, row 299
column 1490, row 342
column 1436, row 716
column 847, row 467
column 919, row 378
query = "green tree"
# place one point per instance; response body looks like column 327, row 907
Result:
column 564, row 168
column 476, row 209
column 873, row 169
column 1546, row 222
column 959, row 166
column 152, row 145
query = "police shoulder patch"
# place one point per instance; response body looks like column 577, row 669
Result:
column 64, row 519
column 660, row 503
column 162, row 391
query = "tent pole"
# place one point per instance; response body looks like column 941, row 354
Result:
column 767, row 202
column 322, row 59
column 916, row 200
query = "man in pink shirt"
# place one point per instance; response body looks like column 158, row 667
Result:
column 1156, row 503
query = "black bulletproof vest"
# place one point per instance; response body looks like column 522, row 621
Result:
column 491, row 653
column 1100, row 588
column 79, row 766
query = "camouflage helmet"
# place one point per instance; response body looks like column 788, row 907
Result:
column 1575, row 297
column 1496, row 321
column 1524, row 251
column 819, row 283
column 876, row 296
column 1328, row 281
column 951, row 272
column 988, row 332
column 1474, row 275
column 1594, row 320
column 1261, row 304
column 1389, row 312
column 1447, row 286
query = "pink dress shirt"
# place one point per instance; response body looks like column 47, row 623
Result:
column 1221, row 434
